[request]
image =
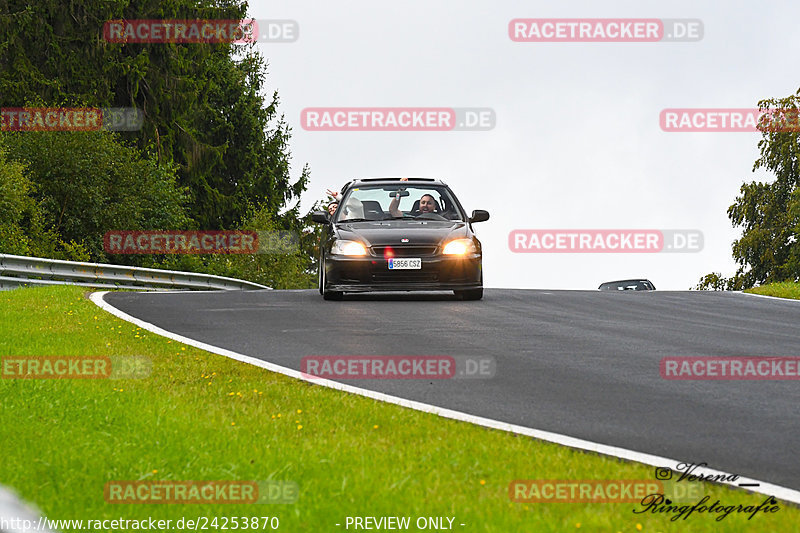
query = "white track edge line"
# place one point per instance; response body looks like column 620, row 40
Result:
column 767, row 489
column 773, row 298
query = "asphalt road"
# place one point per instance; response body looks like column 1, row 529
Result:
column 579, row 363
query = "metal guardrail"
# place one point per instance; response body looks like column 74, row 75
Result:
column 19, row 271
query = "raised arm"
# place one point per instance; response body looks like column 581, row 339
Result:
column 394, row 207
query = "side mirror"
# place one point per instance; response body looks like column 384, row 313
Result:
column 320, row 217
column 479, row 215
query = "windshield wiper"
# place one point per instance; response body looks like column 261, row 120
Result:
column 355, row 220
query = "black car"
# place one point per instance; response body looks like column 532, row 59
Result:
column 628, row 285
column 397, row 234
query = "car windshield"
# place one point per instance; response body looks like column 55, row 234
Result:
column 380, row 202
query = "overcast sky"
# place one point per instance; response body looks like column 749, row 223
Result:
column 577, row 143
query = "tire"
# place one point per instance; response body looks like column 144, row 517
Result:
column 469, row 294
column 332, row 295
column 319, row 277
column 323, row 281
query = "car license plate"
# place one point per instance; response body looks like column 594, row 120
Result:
column 405, row 263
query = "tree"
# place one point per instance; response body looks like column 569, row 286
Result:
column 87, row 183
column 202, row 102
column 769, row 213
column 23, row 230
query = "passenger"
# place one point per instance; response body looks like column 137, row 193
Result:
column 353, row 210
column 334, row 201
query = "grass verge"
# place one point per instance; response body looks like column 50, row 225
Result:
column 786, row 289
column 200, row 416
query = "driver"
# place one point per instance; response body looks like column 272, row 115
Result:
column 427, row 204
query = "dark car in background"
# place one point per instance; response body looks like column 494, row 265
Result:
column 399, row 234
column 628, row 285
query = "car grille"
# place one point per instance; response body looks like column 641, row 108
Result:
column 405, row 251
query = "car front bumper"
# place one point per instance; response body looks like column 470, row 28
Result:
column 369, row 273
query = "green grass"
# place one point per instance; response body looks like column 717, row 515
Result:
column 62, row 440
column 786, row 289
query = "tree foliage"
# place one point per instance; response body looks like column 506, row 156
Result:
column 213, row 152
column 768, row 213
column 87, row 183
column 202, row 103
column 23, row 230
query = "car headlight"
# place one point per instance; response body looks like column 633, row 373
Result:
column 459, row 247
column 342, row 247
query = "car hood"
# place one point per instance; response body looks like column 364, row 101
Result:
column 391, row 232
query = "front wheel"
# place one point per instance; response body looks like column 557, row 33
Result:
column 469, row 294
column 323, row 282
column 319, row 278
